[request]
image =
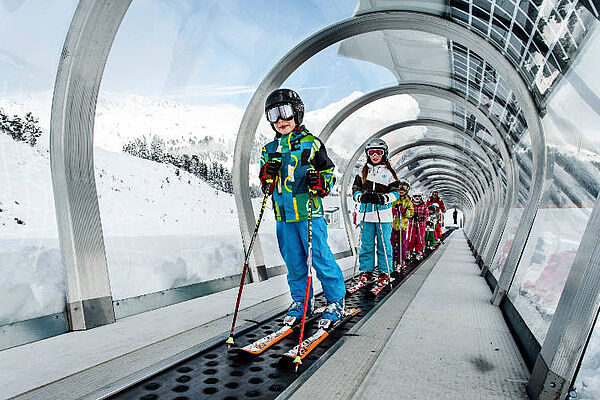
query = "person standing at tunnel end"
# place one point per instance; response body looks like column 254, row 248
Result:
column 298, row 162
column 376, row 188
column 403, row 211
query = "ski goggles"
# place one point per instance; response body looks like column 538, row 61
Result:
column 283, row 111
column 375, row 152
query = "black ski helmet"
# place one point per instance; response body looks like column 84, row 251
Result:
column 286, row 96
column 377, row 144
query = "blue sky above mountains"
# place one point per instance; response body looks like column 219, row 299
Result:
column 192, row 51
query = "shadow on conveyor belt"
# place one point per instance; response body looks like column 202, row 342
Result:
column 216, row 374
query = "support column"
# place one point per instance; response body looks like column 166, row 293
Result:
column 90, row 37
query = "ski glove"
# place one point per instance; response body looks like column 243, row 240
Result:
column 316, row 183
column 268, row 174
column 373, row 198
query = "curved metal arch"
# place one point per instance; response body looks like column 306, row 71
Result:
column 449, row 185
column 489, row 124
column 403, row 88
column 466, row 184
column 429, row 156
column 483, row 230
column 489, row 177
column 348, row 171
column 454, row 191
column 498, row 137
column 441, row 178
column 457, row 192
column 438, row 166
column 456, row 200
column 469, row 207
column 390, row 20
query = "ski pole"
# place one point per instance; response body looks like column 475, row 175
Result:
column 387, row 264
column 247, row 259
column 359, row 242
column 309, row 263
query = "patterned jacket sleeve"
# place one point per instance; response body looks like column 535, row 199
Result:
column 409, row 209
column 264, row 157
column 322, row 163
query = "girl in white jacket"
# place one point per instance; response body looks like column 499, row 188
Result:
column 376, row 188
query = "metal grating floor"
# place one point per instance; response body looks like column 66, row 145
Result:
column 216, row 374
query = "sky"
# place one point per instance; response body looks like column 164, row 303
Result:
column 192, row 51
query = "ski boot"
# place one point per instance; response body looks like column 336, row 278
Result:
column 400, row 267
column 332, row 314
column 383, row 279
column 365, row 277
column 295, row 310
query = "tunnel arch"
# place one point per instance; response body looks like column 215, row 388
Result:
column 389, row 20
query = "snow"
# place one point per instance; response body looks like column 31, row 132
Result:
column 162, row 229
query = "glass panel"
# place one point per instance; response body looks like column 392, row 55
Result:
column 514, row 216
column 32, row 282
column 570, row 190
column 168, row 214
column 587, row 381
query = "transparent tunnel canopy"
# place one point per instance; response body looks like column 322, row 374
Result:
column 166, row 124
column 571, row 187
column 32, row 282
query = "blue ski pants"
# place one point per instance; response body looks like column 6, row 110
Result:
column 370, row 231
column 293, row 244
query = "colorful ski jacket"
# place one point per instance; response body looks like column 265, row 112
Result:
column 436, row 200
column 421, row 213
column 434, row 218
column 379, row 180
column 403, row 211
column 298, row 151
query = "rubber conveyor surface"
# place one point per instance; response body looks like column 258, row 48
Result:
column 216, row 374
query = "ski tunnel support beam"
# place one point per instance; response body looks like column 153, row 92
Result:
column 472, row 180
column 488, row 121
column 449, row 174
column 349, row 170
column 485, row 164
column 377, row 21
column 493, row 185
column 459, row 162
column 81, row 66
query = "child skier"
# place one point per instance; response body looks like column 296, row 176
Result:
column 403, row 211
column 376, row 188
column 416, row 243
column 435, row 199
column 297, row 161
column 431, row 239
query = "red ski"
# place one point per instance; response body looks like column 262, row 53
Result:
column 382, row 285
column 359, row 285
